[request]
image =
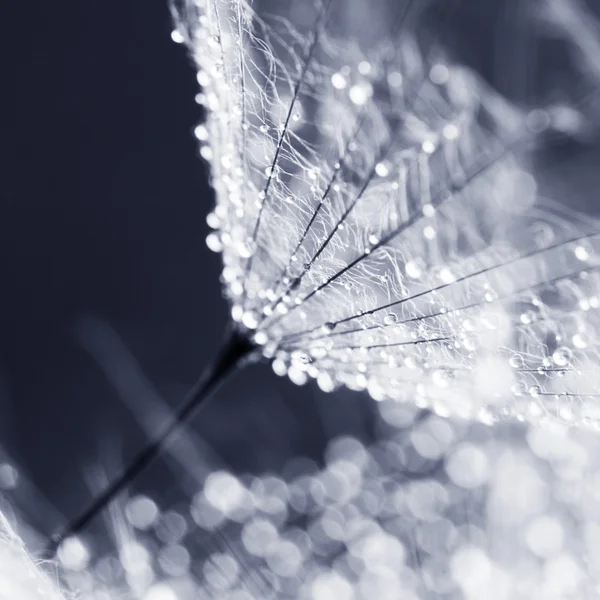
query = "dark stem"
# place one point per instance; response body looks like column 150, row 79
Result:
column 234, row 354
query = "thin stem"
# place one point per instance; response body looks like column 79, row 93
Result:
column 233, row 355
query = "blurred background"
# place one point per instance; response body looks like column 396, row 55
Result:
column 103, row 203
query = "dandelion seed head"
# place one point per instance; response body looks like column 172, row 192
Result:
column 375, row 213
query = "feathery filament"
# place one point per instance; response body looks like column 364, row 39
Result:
column 378, row 227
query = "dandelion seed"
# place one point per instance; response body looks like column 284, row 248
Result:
column 398, row 195
column 468, row 248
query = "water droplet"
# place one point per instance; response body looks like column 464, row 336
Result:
column 73, row 554
column 328, row 327
column 446, row 275
column 177, row 37
column 562, row 356
column 410, row 362
column 250, row 319
column 451, row 131
column 516, row 361
column 201, row 133
column 361, row 382
column 470, row 341
column 338, row 81
column 244, row 249
column 360, row 93
column 390, row 319
column 237, row 312
column 395, row 79
column 300, row 357
column 429, row 232
column 412, row 269
column 428, row 210
column 439, row 74
column 261, row 338
column 428, row 147
column 297, row 375
column 213, row 220
column 279, row 367
column 364, row 67
column 206, row 153
column 581, row 253
column 213, row 241
column 518, row 388
column 441, row 377
column 318, row 352
column 528, row 317
column 382, row 169
column 325, row 382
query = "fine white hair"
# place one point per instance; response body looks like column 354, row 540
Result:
column 377, row 220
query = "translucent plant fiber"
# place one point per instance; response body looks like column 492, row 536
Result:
column 378, row 224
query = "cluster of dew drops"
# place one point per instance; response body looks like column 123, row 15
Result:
column 297, row 363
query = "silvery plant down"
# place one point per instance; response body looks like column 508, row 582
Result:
column 379, row 226
column 382, row 228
